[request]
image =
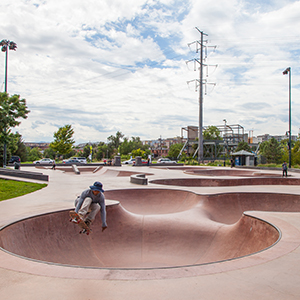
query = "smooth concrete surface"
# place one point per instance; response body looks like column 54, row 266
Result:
column 164, row 221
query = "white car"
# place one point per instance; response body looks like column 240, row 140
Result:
column 129, row 162
column 44, row 161
column 166, row 161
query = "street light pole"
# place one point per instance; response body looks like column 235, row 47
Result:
column 6, row 45
column 285, row 72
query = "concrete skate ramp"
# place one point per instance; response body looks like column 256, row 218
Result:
column 230, row 172
column 153, row 228
column 226, row 181
column 118, row 173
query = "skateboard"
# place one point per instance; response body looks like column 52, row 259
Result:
column 75, row 218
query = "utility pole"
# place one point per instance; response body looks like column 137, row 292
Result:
column 6, row 46
column 285, row 72
column 200, row 47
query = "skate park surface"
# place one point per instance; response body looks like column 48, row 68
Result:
column 191, row 233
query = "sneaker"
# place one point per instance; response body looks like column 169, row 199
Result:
column 88, row 223
column 76, row 220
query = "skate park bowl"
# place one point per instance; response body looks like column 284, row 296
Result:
column 153, row 228
column 209, row 182
column 231, row 172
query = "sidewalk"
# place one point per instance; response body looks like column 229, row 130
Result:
column 270, row 274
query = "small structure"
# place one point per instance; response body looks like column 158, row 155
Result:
column 139, row 179
column 244, row 158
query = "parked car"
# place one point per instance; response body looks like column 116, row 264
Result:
column 129, row 162
column 44, row 161
column 132, row 161
column 71, row 161
column 81, row 160
column 14, row 159
column 166, row 161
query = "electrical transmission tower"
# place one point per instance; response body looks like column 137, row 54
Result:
column 200, row 48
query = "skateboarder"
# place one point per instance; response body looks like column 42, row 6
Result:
column 88, row 204
column 284, row 169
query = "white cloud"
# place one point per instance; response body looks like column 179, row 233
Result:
column 104, row 66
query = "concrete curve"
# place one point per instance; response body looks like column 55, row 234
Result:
column 198, row 229
column 193, row 182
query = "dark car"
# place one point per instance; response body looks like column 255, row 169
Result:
column 14, row 159
column 71, row 161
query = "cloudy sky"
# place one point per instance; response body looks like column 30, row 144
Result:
column 110, row 65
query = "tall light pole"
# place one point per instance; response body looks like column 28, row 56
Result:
column 285, row 72
column 6, row 45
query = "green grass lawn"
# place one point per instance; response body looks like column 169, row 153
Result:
column 11, row 188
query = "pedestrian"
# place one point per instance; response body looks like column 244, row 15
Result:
column 284, row 169
column 90, row 202
column 231, row 163
column 53, row 165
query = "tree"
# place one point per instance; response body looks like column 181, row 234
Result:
column 174, row 150
column 49, row 153
column 295, row 154
column 243, row 146
column 103, row 151
column 115, row 141
column 139, row 152
column 11, row 109
column 272, row 151
column 212, row 133
column 127, row 146
column 63, row 140
column 34, row 154
column 19, row 146
column 212, row 150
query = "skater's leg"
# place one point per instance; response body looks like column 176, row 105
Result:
column 85, row 207
column 94, row 209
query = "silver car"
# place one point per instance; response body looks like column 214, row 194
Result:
column 44, row 161
column 166, row 161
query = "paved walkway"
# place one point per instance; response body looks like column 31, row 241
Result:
column 270, row 274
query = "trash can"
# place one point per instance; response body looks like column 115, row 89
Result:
column 118, row 161
column 17, row 166
column 138, row 161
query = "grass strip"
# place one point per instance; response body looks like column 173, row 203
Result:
column 11, row 188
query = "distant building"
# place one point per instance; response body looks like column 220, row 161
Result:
column 278, row 138
column 160, row 147
column 41, row 146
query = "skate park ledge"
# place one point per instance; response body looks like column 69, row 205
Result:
column 24, row 174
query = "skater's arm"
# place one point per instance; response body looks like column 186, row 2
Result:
column 83, row 195
column 103, row 212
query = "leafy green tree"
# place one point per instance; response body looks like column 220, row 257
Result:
column 134, row 143
column 272, row 151
column 174, row 150
column 243, row 146
column 11, row 110
column 212, row 151
column 50, row 153
column 139, row 152
column 34, row 154
column 103, row 151
column 87, row 150
column 295, row 153
column 18, row 146
column 212, row 133
column 115, row 141
column 63, row 140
